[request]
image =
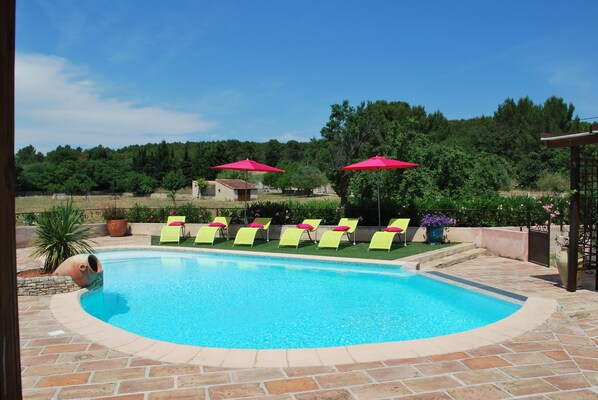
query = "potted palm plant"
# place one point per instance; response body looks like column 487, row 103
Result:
column 116, row 220
column 60, row 234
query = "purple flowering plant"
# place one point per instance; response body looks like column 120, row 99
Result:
column 431, row 220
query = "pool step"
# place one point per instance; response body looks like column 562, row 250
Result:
column 453, row 259
column 440, row 253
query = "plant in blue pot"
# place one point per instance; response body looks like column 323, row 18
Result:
column 435, row 224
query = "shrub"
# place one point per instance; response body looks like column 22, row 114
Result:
column 236, row 215
column 497, row 211
column 553, row 182
column 142, row 213
column 193, row 213
column 113, row 212
column 60, row 235
column 30, row 219
column 287, row 212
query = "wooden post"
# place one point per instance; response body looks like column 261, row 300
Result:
column 573, row 221
column 10, row 363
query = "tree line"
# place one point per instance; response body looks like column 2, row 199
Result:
column 141, row 168
column 458, row 158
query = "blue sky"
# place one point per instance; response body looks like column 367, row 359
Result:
column 126, row 72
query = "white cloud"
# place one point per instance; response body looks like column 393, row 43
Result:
column 59, row 103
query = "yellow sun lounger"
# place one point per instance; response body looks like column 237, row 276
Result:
column 174, row 229
column 246, row 235
column 207, row 234
column 332, row 239
column 383, row 240
column 292, row 236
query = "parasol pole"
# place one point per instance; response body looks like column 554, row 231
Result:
column 379, row 219
column 246, row 177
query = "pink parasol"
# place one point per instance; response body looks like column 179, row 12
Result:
column 248, row 165
column 378, row 163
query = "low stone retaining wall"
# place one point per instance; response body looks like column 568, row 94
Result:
column 505, row 242
column 510, row 242
column 49, row 285
column 45, row 285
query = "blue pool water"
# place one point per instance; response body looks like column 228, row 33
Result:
column 251, row 302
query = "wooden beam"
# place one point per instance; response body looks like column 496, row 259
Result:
column 573, row 141
column 10, row 363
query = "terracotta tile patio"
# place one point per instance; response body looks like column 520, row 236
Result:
column 556, row 360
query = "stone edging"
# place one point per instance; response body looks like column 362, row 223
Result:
column 66, row 309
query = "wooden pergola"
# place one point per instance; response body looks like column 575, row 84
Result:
column 10, row 366
column 573, row 141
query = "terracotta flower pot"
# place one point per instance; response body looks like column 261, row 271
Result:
column 562, row 263
column 117, row 227
column 83, row 268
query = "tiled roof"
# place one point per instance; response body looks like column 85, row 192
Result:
column 237, row 184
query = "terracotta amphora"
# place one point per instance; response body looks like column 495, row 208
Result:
column 83, row 268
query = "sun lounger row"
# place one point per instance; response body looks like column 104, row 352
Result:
column 175, row 229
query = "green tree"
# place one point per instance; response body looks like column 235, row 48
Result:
column 64, row 153
column 29, row 155
column 159, row 162
column 173, row 181
column 140, row 160
column 99, row 153
column 308, row 178
column 139, row 184
column 187, row 166
column 342, row 141
column 273, row 152
column 293, row 151
column 281, row 180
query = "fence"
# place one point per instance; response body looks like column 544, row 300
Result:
column 463, row 217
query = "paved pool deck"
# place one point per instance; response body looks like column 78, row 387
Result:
column 549, row 353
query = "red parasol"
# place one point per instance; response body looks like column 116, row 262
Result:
column 248, row 165
column 376, row 164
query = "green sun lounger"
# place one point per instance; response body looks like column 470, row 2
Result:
column 207, row 234
column 246, row 235
column 292, row 236
column 174, row 229
column 383, row 240
column 332, row 239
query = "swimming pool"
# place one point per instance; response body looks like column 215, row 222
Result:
column 253, row 302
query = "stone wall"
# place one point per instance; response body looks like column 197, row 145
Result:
column 49, row 285
column 505, row 242
column 46, row 285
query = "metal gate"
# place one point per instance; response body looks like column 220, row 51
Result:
column 538, row 243
column 588, row 211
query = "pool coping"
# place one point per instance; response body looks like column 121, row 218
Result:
column 399, row 262
column 66, row 309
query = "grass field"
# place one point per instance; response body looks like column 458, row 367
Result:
column 360, row 250
column 42, row 203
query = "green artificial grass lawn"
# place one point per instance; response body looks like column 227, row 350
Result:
column 360, row 250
